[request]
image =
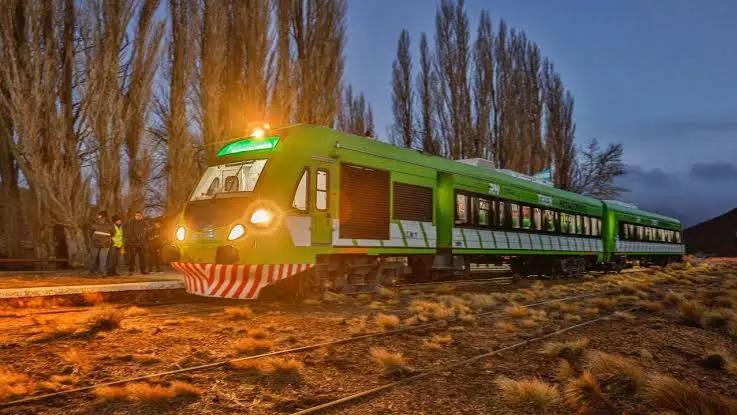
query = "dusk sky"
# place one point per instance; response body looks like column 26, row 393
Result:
column 658, row 76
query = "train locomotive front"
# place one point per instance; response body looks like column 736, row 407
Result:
column 233, row 237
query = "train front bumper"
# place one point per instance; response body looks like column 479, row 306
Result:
column 241, row 281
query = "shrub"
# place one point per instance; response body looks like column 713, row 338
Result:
column 243, row 312
column 147, row 392
column 386, row 293
column 105, row 318
column 250, row 345
column 616, row 371
column 671, row 394
column 390, row 362
column 517, row 311
column 387, row 321
column 570, row 350
column 257, row 333
column 530, row 393
column 14, row 383
column 583, row 394
column 505, row 327
column 77, row 358
column 691, row 312
column 480, row 301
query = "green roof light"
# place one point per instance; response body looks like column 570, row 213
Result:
column 248, row 144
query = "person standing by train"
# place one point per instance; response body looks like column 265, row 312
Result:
column 136, row 243
column 102, row 230
column 117, row 249
column 154, row 247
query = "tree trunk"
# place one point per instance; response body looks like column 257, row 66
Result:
column 76, row 247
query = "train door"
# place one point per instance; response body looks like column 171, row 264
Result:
column 322, row 221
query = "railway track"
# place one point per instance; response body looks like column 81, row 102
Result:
column 447, row 367
column 218, row 364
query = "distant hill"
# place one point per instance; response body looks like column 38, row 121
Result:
column 715, row 236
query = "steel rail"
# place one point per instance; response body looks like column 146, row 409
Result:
column 276, row 353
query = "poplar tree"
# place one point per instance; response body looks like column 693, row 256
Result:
column 402, row 91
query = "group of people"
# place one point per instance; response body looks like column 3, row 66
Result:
column 138, row 239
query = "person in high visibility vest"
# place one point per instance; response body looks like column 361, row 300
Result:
column 117, row 249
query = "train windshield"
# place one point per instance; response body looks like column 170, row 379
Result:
column 229, row 180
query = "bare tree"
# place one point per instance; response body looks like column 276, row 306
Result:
column 452, row 60
column 34, row 50
column 484, row 88
column 597, row 170
column 425, row 87
column 283, row 85
column 211, row 66
column 318, row 32
column 141, row 68
column 355, row 116
column 559, row 127
column 402, row 91
column 181, row 166
column 9, row 190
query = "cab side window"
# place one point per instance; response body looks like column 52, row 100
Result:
column 321, row 189
column 300, row 193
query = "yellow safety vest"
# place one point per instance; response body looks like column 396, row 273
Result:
column 118, row 237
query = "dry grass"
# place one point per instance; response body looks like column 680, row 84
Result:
column 605, row 303
column 671, row 394
column 105, row 318
column 356, row 326
column 583, row 394
column 387, row 321
column 444, row 289
column 77, row 358
column 651, row 306
column 311, row 301
column 250, row 345
column 570, row 350
column 282, row 366
column 615, row 371
column 691, row 312
column 719, row 318
column 505, row 327
column 390, row 362
column 480, row 301
column 624, row 315
column 257, row 333
column 531, row 393
column 134, row 311
column 238, row 313
column 516, row 311
column 430, row 310
column 565, row 370
column 58, row 382
column 673, row 298
column 437, row 342
column 386, row 293
column 147, row 392
column 14, row 384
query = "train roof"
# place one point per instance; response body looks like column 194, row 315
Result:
column 635, row 211
column 378, row 148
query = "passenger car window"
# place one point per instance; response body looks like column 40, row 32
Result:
column 321, row 190
column 526, row 218
column 461, row 209
column 300, row 194
column 501, row 209
column 483, row 212
column 537, row 218
column 515, row 215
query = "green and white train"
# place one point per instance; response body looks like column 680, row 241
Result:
column 310, row 208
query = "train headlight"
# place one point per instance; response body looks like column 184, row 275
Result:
column 261, row 217
column 181, row 233
column 236, row 232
